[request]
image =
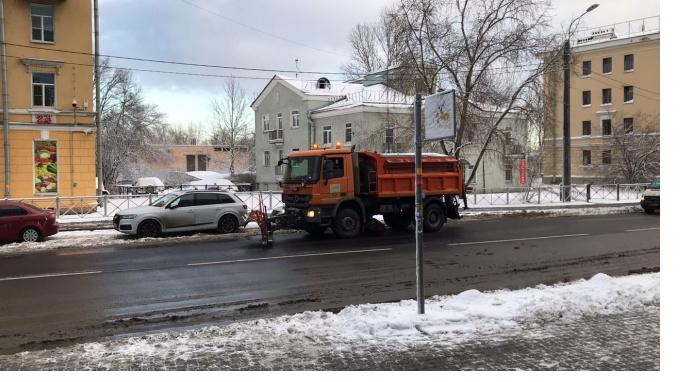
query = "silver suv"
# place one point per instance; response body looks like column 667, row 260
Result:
column 184, row 211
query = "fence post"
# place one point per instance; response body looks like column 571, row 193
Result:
column 57, row 206
column 618, row 190
column 588, row 193
column 150, row 199
column 475, row 195
column 106, row 205
column 507, row 196
column 270, row 200
column 539, row 194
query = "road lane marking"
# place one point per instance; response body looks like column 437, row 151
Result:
column 47, row 275
column 644, row 229
column 519, row 239
column 290, row 257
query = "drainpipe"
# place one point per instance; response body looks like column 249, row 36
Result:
column 5, row 96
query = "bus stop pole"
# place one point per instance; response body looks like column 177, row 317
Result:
column 419, row 208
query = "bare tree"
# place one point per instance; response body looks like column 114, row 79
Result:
column 635, row 151
column 491, row 51
column 183, row 135
column 129, row 125
column 231, row 118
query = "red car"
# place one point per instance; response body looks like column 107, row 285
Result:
column 24, row 222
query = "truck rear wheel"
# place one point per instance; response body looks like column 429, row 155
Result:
column 347, row 223
column 397, row 222
column 434, row 217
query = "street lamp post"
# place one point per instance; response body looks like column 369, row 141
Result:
column 566, row 139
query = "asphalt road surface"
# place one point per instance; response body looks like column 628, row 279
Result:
column 71, row 295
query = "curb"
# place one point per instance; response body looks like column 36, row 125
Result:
column 107, row 224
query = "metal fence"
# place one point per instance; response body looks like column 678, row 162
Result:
column 86, row 208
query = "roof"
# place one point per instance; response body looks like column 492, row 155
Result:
column 379, row 96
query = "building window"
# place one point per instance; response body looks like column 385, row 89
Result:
column 586, row 158
column 294, row 119
column 327, row 137
column 628, row 93
column 607, row 157
column 267, row 159
column 587, row 67
column 607, row 65
column 587, row 127
column 279, row 121
column 628, row 125
column 586, row 97
column 607, row 96
column 628, row 62
column 265, row 123
column 43, row 89
column 191, row 163
column 202, row 162
column 278, row 170
column 389, row 138
column 348, row 132
column 508, row 172
column 606, row 127
column 42, row 23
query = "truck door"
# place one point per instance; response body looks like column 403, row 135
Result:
column 336, row 172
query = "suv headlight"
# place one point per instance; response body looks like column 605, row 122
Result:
column 127, row 216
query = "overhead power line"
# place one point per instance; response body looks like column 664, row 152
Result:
column 282, row 38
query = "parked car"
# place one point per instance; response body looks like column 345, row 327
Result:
column 25, row 222
column 182, row 211
column 651, row 197
column 148, row 185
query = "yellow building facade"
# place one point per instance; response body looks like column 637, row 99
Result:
column 51, row 110
column 614, row 85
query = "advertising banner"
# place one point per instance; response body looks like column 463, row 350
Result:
column 440, row 116
column 45, row 170
column 523, row 171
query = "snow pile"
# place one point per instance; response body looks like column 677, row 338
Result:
column 472, row 312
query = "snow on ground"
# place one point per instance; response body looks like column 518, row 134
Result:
column 111, row 237
column 449, row 321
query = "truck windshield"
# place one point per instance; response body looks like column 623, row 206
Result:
column 302, row 169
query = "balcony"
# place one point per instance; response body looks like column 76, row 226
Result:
column 276, row 136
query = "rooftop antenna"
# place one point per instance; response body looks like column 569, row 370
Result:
column 297, row 68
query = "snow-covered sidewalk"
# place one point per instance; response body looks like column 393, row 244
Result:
column 392, row 331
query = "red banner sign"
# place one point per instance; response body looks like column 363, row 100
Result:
column 523, row 171
column 43, row 119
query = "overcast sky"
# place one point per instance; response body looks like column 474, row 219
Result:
column 261, row 34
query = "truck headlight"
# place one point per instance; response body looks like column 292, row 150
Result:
column 311, row 214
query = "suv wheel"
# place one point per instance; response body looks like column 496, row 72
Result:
column 227, row 224
column 149, row 228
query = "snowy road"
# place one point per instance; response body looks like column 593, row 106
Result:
column 71, row 296
column 583, row 325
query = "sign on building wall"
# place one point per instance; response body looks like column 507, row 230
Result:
column 440, row 116
column 45, row 170
column 523, row 171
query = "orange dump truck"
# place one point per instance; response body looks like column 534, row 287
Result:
column 342, row 189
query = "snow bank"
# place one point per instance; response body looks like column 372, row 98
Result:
column 449, row 320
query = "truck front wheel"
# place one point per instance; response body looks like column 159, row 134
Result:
column 347, row 223
column 434, row 217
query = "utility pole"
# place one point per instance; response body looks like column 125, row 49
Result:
column 98, row 112
column 5, row 97
column 566, row 128
column 419, row 208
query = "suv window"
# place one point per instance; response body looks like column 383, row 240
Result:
column 205, row 199
column 225, row 199
column 186, row 200
column 6, row 211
